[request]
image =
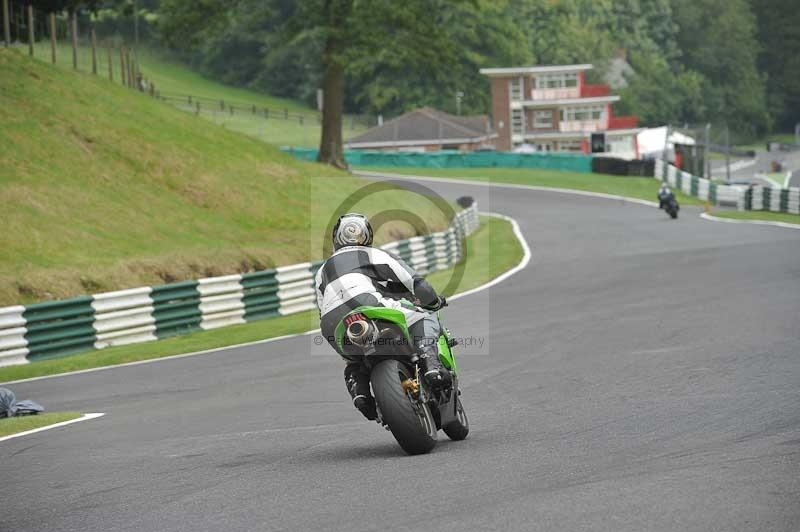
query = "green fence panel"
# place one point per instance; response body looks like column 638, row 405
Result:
column 693, row 186
column 712, row 192
column 454, row 159
column 260, row 294
column 56, row 328
column 784, row 206
column 176, row 308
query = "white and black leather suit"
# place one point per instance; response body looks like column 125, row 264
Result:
column 357, row 276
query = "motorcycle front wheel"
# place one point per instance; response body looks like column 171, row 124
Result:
column 410, row 421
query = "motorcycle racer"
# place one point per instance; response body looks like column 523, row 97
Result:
column 359, row 275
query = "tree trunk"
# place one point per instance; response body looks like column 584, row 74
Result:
column 331, row 149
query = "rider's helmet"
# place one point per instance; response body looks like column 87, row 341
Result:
column 352, row 229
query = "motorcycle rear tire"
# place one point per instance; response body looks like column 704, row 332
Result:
column 411, row 423
column 457, row 430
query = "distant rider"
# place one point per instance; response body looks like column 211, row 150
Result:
column 359, row 275
column 664, row 196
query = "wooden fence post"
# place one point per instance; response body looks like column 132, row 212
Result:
column 6, row 24
column 110, row 66
column 137, row 74
column 129, row 71
column 73, row 17
column 122, row 64
column 94, row 51
column 53, row 37
column 30, row 29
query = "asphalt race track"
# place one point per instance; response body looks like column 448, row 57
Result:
column 639, row 374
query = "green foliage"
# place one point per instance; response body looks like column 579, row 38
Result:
column 659, row 95
column 695, row 60
column 779, row 35
column 717, row 38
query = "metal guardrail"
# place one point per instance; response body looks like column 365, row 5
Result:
column 58, row 328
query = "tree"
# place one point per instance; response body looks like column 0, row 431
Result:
column 717, row 38
column 778, row 23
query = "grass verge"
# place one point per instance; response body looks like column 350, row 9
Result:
column 13, row 425
column 632, row 187
column 491, row 250
column 174, row 79
column 104, row 188
column 766, row 216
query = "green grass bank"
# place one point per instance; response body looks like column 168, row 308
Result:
column 491, row 250
column 105, row 188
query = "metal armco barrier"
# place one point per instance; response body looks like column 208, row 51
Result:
column 57, row 328
column 756, row 198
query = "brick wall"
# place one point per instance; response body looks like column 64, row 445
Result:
column 501, row 113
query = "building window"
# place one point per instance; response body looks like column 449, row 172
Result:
column 516, row 89
column 570, row 145
column 591, row 112
column 517, row 122
column 542, row 119
column 557, row 81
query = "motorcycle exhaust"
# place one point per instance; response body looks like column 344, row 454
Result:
column 361, row 333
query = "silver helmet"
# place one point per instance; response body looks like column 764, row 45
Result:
column 352, row 229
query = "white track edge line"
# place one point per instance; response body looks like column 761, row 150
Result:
column 785, row 225
column 84, row 417
column 525, row 260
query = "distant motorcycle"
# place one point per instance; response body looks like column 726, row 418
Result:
column 672, row 207
column 667, row 201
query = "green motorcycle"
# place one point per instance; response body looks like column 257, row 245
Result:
column 406, row 404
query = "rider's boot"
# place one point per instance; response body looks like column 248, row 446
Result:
column 356, row 379
column 436, row 375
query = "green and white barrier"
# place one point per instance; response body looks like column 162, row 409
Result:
column 699, row 187
column 57, row 328
column 773, row 199
column 755, row 198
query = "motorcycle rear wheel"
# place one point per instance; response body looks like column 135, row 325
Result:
column 457, row 430
column 411, row 422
